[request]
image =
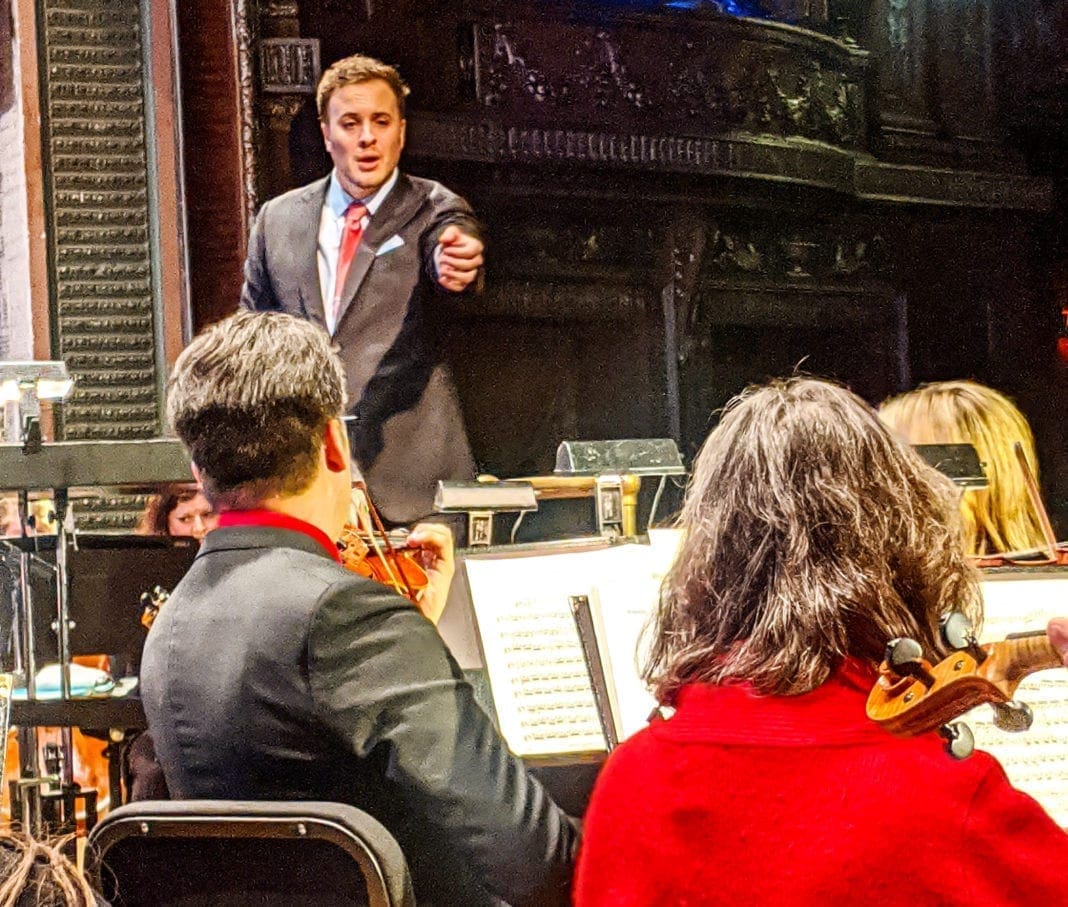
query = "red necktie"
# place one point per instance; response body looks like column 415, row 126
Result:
column 350, row 240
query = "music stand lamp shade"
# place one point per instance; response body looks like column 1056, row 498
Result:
column 608, row 462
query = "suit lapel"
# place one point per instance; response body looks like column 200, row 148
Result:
column 306, row 248
column 399, row 207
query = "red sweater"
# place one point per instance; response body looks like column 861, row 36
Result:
column 801, row 800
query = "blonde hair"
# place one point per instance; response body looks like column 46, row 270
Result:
column 1000, row 517
column 811, row 534
column 37, row 872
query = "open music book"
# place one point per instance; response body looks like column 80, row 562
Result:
column 1036, row 761
column 539, row 664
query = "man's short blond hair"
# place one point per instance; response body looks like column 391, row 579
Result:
column 354, row 70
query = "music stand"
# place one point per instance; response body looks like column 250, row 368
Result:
column 60, row 466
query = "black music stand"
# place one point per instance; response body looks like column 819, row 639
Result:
column 61, row 466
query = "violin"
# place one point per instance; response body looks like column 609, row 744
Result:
column 912, row 696
column 366, row 548
column 151, row 602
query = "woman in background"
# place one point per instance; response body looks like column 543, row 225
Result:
column 812, row 536
column 1000, row 517
column 178, row 510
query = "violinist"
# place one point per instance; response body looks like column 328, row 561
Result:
column 999, row 517
column 274, row 673
column 812, row 536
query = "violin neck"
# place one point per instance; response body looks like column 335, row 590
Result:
column 1018, row 655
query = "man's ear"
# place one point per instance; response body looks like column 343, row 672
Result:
column 196, row 474
column 336, row 446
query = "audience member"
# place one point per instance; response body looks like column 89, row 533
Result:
column 812, row 536
column 274, row 673
column 998, row 518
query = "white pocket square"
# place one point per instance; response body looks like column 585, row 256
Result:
column 394, row 242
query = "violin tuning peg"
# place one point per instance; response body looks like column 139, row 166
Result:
column 1012, row 717
column 957, row 633
column 905, row 657
column 960, row 741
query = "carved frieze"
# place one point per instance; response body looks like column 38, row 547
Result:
column 433, row 136
column 289, row 65
column 784, row 253
column 549, row 300
column 714, row 78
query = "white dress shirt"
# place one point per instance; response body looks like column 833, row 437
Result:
column 331, row 226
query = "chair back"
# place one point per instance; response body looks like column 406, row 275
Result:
column 189, row 853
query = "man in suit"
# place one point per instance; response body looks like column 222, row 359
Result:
column 274, row 673
column 371, row 255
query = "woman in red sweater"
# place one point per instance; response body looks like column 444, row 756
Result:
column 812, row 537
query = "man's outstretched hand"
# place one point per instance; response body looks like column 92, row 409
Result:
column 458, row 257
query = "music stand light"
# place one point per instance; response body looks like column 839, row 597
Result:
column 480, row 501
column 23, row 385
column 609, row 462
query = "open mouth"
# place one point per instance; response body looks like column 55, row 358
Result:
column 367, row 163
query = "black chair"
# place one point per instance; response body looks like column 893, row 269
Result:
column 189, row 853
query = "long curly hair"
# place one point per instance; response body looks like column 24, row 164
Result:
column 811, row 534
column 1001, row 516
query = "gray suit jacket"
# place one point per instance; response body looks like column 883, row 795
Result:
column 409, row 431
column 274, row 674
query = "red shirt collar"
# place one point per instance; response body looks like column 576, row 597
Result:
column 278, row 521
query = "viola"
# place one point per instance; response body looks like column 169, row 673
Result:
column 366, row 548
column 912, row 696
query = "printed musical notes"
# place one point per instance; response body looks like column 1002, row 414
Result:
column 541, row 689
column 1036, row 761
column 532, row 652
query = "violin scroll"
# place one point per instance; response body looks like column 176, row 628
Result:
column 912, row 696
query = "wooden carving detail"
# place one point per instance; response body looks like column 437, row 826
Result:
column 99, row 236
column 787, row 253
column 627, row 75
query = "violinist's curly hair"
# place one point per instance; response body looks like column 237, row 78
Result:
column 810, row 534
column 251, row 397
column 37, row 873
column 1000, row 517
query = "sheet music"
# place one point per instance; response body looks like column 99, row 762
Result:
column 532, row 652
column 625, row 599
column 1036, row 761
column 533, row 657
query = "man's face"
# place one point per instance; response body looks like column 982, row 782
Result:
column 364, row 134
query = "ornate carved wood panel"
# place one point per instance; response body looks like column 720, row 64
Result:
column 99, row 240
